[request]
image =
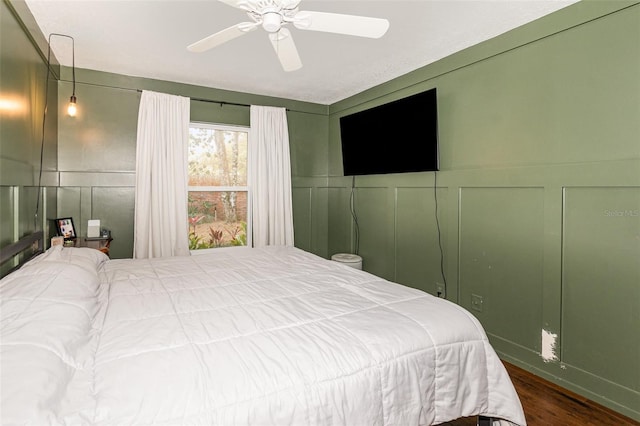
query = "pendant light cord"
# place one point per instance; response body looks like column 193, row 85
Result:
column 44, row 120
column 44, row 114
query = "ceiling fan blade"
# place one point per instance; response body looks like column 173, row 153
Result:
column 222, row 37
column 286, row 50
column 361, row 26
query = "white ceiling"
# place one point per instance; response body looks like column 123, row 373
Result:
column 148, row 38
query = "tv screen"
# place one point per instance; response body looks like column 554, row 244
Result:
column 396, row 137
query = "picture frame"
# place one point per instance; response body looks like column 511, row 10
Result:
column 65, row 228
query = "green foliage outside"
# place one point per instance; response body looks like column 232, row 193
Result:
column 217, row 158
column 216, row 238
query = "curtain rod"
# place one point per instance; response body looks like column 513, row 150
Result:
column 195, row 99
column 211, row 101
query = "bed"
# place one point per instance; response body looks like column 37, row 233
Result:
column 247, row 336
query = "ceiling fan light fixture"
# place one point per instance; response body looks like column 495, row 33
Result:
column 271, row 22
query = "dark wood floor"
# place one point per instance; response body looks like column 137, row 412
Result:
column 546, row 404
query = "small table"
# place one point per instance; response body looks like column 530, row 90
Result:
column 98, row 243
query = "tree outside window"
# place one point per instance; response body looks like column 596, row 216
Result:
column 218, row 191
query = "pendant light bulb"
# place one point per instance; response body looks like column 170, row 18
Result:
column 72, row 108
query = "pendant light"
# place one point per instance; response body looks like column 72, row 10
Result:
column 72, row 107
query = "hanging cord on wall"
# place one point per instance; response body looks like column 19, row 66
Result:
column 353, row 214
column 435, row 197
column 44, row 119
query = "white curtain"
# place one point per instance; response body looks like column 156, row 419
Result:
column 269, row 177
column 160, row 226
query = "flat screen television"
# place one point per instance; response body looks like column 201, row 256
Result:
column 396, row 137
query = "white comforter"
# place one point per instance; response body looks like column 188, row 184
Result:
column 273, row 336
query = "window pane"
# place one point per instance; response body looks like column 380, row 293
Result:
column 217, row 157
column 217, row 219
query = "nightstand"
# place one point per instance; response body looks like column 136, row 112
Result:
column 98, row 243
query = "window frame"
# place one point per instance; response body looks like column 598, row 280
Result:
column 247, row 189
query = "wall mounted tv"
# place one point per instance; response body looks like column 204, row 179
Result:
column 396, row 137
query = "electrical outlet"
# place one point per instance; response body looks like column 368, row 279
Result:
column 440, row 291
column 476, row 302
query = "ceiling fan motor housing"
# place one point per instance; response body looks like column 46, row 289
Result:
column 271, row 21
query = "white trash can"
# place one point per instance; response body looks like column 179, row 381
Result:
column 348, row 259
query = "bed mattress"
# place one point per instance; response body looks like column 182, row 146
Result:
column 269, row 336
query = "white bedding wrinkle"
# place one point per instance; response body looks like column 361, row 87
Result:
column 266, row 337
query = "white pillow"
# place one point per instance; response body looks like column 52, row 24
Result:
column 82, row 256
column 47, row 313
column 51, row 302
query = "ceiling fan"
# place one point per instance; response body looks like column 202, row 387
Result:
column 274, row 15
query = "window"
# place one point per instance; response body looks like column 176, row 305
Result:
column 218, row 191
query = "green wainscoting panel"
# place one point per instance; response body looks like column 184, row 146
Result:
column 50, row 200
column 417, row 243
column 7, row 219
column 310, row 214
column 8, row 198
column 320, row 220
column 20, row 202
column 69, row 202
column 501, row 260
column 74, row 202
column 601, row 282
column 27, row 206
column 340, row 221
column 302, row 217
column 84, row 203
column 375, row 229
column 118, row 220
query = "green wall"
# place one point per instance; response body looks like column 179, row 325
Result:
column 538, row 196
column 23, row 83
